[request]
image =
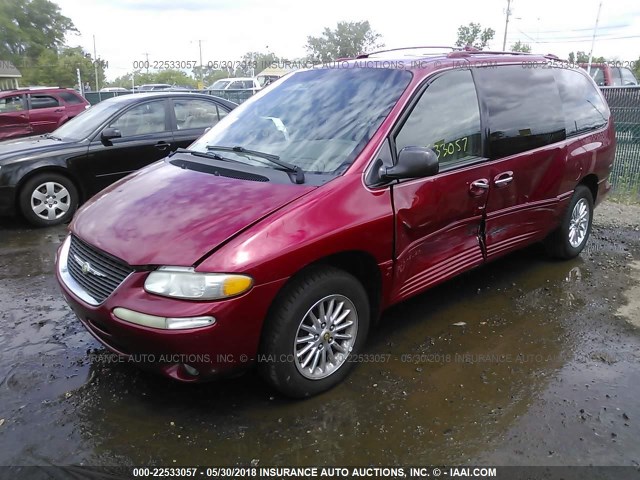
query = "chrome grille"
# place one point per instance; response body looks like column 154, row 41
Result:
column 97, row 273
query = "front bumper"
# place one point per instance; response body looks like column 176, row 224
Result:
column 226, row 347
column 7, row 200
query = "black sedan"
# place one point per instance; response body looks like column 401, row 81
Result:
column 46, row 177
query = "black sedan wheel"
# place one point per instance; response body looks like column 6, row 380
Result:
column 48, row 199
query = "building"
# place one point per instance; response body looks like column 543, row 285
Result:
column 9, row 75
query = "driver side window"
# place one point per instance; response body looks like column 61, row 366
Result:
column 445, row 119
column 143, row 119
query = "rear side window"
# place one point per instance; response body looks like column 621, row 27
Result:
column 445, row 119
column 43, row 101
column 70, row 98
column 582, row 104
column 524, row 108
column 195, row 114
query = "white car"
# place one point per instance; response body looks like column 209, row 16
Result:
column 113, row 89
column 239, row 83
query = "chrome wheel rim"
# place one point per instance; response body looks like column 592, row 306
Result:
column 325, row 337
column 50, row 201
column 579, row 223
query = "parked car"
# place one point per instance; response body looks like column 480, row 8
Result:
column 34, row 111
column 282, row 233
column 153, row 87
column 240, row 83
column 606, row 75
column 113, row 89
column 46, row 177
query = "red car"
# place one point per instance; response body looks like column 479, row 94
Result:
column 279, row 236
column 34, row 111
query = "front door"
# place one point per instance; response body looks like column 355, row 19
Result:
column 146, row 138
column 14, row 117
column 438, row 219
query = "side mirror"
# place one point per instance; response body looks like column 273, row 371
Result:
column 413, row 162
column 207, row 129
column 110, row 133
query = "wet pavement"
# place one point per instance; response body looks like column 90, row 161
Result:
column 526, row 361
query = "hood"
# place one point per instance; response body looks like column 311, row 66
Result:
column 30, row 146
column 166, row 215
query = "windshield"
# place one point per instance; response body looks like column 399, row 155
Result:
column 84, row 124
column 220, row 84
column 318, row 120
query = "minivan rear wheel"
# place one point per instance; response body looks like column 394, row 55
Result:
column 317, row 325
column 568, row 240
column 48, row 199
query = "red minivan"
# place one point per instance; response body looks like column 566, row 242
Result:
column 37, row 110
column 279, row 236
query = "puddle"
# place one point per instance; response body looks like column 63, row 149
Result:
column 460, row 373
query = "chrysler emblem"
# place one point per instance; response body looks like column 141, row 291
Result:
column 86, row 268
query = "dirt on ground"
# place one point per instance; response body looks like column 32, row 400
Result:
column 525, row 361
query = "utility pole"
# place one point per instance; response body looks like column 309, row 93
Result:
column 593, row 40
column 506, row 26
column 95, row 65
column 201, row 85
column 146, row 54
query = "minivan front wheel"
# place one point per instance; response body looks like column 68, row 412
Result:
column 319, row 322
column 572, row 235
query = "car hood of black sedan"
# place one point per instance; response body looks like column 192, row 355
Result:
column 28, row 147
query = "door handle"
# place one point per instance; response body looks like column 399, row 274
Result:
column 503, row 179
column 162, row 145
column 478, row 187
column 58, row 110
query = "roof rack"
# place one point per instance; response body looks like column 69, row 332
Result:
column 366, row 55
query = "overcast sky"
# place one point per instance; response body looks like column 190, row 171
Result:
column 170, row 29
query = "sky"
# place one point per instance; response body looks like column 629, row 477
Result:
column 126, row 31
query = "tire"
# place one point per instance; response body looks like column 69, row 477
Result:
column 48, row 199
column 568, row 240
column 299, row 373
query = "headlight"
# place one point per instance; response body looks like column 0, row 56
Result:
column 184, row 282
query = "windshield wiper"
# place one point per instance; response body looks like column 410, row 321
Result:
column 288, row 167
column 215, row 156
column 52, row 137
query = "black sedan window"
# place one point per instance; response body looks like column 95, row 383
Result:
column 142, row 119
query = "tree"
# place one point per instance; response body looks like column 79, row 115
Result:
column 474, row 35
column 60, row 69
column 171, row 77
column 636, row 69
column 521, row 47
column 349, row 39
column 582, row 57
column 29, row 27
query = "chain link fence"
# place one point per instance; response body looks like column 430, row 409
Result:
column 624, row 103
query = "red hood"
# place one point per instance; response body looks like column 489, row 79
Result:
column 166, row 215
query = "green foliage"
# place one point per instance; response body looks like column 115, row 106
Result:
column 474, row 35
column 60, row 69
column 521, row 47
column 582, row 57
column 349, row 39
column 171, row 77
column 636, row 69
column 29, row 27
